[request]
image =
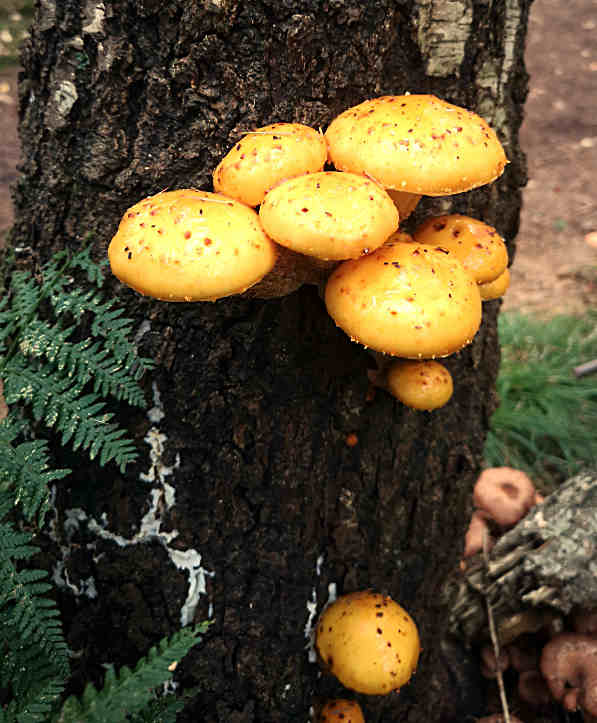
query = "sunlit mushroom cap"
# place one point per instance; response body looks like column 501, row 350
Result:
column 266, row 156
column 416, row 143
column 369, row 642
column 479, row 246
column 329, row 215
column 406, row 299
column 189, row 245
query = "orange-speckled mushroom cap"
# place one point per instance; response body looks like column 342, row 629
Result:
column 369, row 642
column 190, row 245
column 479, row 246
column 423, row 385
column 266, row 156
column 406, row 299
column 416, row 143
column 341, row 711
column 329, row 215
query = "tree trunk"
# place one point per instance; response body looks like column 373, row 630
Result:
column 249, row 506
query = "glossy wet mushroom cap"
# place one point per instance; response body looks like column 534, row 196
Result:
column 190, row 245
column 423, row 385
column 266, row 156
column 406, row 299
column 329, row 215
column 478, row 245
column 369, row 642
column 416, row 143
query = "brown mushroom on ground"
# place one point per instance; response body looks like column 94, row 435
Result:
column 369, row 642
column 341, row 711
column 416, row 144
column 569, row 666
column 478, row 535
column 408, row 300
column 504, row 494
column 266, row 156
column 189, row 245
column 532, row 688
column 491, row 664
column 479, row 246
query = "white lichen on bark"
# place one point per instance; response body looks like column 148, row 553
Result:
column 444, row 27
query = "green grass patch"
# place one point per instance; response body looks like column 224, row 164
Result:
column 546, row 423
column 15, row 19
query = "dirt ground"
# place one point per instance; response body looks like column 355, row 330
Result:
column 555, row 269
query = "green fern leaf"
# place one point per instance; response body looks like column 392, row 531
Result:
column 26, row 472
column 35, row 655
column 130, row 691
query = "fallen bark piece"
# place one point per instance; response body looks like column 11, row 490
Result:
column 540, row 569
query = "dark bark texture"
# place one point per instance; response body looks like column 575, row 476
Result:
column 248, row 505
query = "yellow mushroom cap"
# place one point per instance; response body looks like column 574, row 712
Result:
column 190, row 245
column 416, row 143
column 341, row 711
column 406, row 299
column 266, row 156
column 369, row 642
column 479, row 246
column 494, row 289
column 423, row 385
column 329, row 215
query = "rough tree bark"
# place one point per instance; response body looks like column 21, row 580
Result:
column 247, row 504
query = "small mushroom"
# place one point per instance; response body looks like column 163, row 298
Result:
column 423, row 385
column 504, row 494
column 497, row 288
column 569, row 665
column 369, row 642
column 341, row 711
column 406, row 299
column 189, row 245
column 479, row 246
column 329, row 215
column 477, row 535
column 266, row 156
column 490, row 664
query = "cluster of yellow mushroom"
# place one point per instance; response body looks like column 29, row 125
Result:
column 416, row 297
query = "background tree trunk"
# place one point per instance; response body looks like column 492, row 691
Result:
column 251, row 505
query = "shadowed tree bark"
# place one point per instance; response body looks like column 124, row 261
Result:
column 248, row 504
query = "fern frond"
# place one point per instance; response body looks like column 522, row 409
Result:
column 35, row 655
column 56, row 400
column 83, row 361
column 130, row 691
column 25, row 472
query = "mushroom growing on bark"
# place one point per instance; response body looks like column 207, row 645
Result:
column 190, row 245
column 369, row 642
column 266, row 156
column 406, row 299
column 423, row 385
column 341, row 711
column 416, row 144
column 329, row 215
column 479, row 246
